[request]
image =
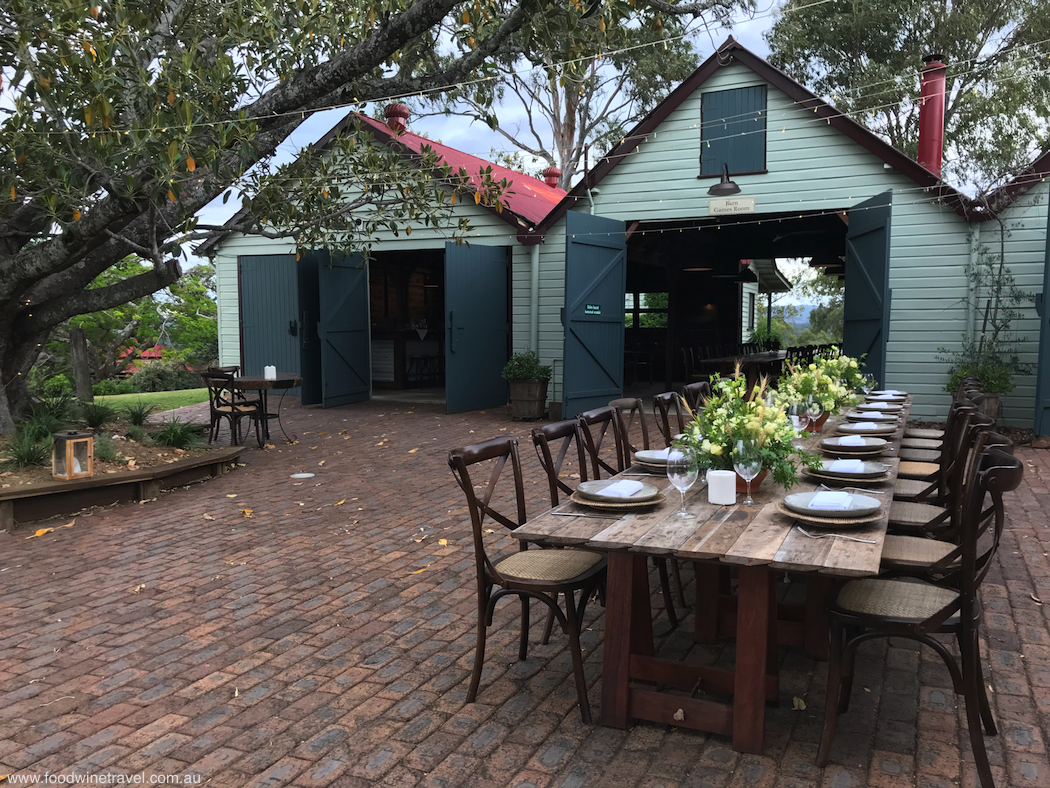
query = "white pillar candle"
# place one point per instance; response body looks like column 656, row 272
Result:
column 721, row 487
column 270, row 373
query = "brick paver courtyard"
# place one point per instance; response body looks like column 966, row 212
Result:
column 328, row 639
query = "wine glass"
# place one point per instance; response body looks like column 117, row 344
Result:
column 867, row 385
column 798, row 412
column 682, row 470
column 814, row 410
column 747, row 461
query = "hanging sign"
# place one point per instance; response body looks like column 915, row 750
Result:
column 731, row 205
column 592, row 309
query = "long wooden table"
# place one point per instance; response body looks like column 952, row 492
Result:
column 760, row 542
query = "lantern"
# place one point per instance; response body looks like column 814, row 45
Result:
column 72, row 455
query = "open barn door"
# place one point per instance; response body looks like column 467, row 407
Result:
column 867, row 299
column 1042, row 379
column 343, row 329
column 595, row 282
column 476, row 343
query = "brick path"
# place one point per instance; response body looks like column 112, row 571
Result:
column 324, row 641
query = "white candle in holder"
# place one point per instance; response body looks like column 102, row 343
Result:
column 270, row 373
column 721, row 487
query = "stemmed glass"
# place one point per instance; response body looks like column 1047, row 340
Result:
column 798, row 412
column 682, row 469
column 867, row 385
column 814, row 410
column 747, row 461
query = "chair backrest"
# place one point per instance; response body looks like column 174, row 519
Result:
column 225, row 370
column 604, row 422
column 568, row 432
column 696, row 394
column 220, row 388
column 984, row 516
column 628, row 410
column 491, row 457
column 663, row 406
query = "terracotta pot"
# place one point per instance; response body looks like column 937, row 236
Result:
column 741, row 485
column 818, row 425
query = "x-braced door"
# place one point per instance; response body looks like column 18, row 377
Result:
column 867, row 298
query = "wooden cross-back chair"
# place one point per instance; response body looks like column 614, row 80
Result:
column 568, row 433
column 696, row 394
column 665, row 406
column 527, row 574
column 628, row 411
column 596, row 427
column 224, row 404
column 869, row 608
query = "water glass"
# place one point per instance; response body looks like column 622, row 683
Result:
column 798, row 412
column 747, row 461
column 814, row 410
column 682, row 470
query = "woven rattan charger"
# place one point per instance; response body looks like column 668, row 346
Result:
column 625, row 506
column 661, row 469
column 853, row 480
column 837, row 523
column 857, row 452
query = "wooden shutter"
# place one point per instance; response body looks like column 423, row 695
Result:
column 733, row 130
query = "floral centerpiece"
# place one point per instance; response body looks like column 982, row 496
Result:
column 732, row 413
column 832, row 382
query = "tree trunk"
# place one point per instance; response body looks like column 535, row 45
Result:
column 17, row 354
column 81, row 367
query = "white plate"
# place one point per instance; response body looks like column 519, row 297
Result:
column 860, row 506
column 896, row 399
column 593, row 490
column 882, row 429
column 883, row 405
column 652, row 456
column 870, row 470
column 870, row 444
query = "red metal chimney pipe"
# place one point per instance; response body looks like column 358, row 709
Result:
column 397, row 117
column 551, row 175
column 931, row 113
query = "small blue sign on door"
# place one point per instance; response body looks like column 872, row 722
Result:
column 592, row 309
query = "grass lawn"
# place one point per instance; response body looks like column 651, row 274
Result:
column 163, row 400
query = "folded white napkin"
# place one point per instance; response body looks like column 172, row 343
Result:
column 847, row 466
column 852, row 440
column 892, row 392
column 871, row 414
column 624, row 488
column 831, row 500
column 866, row 425
column 662, row 454
column 876, row 405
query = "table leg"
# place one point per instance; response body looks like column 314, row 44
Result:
column 815, row 624
column 265, row 416
column 705, row 611
column 754, row 622
column 628, row 630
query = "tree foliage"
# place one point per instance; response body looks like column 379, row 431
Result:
column 865, row 56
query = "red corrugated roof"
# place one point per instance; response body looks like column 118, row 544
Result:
column 153, row 352
column 528, row 197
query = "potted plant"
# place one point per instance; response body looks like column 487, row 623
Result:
column 527, row 379
column 766, row 339
column 832, row 382
column 734, row 413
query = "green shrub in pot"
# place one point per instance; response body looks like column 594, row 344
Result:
column 527, row 379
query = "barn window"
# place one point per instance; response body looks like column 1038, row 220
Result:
column 733, row 131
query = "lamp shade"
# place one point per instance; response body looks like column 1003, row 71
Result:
column 724, row 187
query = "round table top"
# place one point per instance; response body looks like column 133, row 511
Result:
column 284, row 380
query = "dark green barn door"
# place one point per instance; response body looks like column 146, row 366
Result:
column 1042, row 379
column 268, row 295
column 595, row 282
column 343, row 329
column 477, row 327
column 867, row 299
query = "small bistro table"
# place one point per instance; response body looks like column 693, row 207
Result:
column 284, row 380
column 759, row 541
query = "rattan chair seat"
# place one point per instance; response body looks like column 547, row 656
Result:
column 548, row 566
column 912, row 551
column 920, row 455
column 236, row 408
column 915, row 432
column 909, row 513
column 906, row 489
column 921, row 443
column 917, row 470
column 895, row 598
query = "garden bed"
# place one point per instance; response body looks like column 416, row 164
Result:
column 31, row 493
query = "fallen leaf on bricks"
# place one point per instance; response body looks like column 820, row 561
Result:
column 322, row 433
column 339, row 503
column 798, row 704
column 1036, row 599
column 322, row 462
column 236, row 692
column 313, row 447
column 679, row 715
column 232, row 495
column 40, row 532
column 297, row 484
column 138, row 588
column 442, row 542
column 207, row 517
column 413, row 451
column 247, row 512
column 68, row 525
column 418, row 571
column 293, row 442
column 269, row 446
column 344, row 432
